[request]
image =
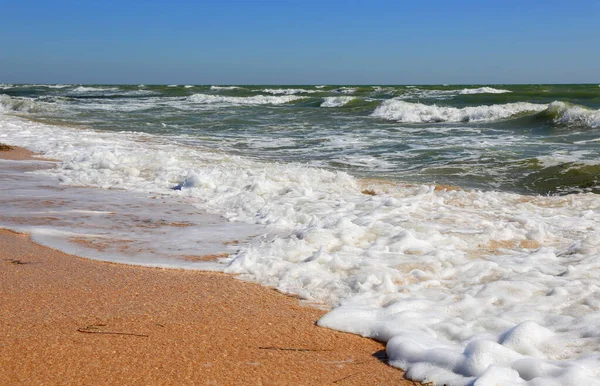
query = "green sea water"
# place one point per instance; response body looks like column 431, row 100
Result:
column 532, row 139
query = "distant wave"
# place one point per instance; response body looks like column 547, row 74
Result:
column 337, row 101
column 287, row 91
column 346, row 90
column 106, row 91
column 414, row 92
column 85, row 89
column 217, row 88
column 252, row 100
column 483, row 90
column 401, row 111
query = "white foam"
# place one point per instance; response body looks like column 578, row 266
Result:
column 401, row 111
column 106, row 91
column 465, row 286
column 568, row 114
column 251, row 100
column 217, row 88
column 347, row 90
column 483, row 90
column 18, row 104
column 337, row 101
column 287, row 91
column 88, row 89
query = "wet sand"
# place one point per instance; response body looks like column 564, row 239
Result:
column 69, row 320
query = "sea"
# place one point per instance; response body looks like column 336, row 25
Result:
column 459, row 224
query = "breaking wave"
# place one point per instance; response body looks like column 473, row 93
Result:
column 483, row 90
column 401, row 111
column 337, row 101
column 563, row 113
column 85, row 91
column 217, row 88
column 253, row 100
column 14, row 104
column 287, row 91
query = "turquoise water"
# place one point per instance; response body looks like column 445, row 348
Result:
column 532, row 139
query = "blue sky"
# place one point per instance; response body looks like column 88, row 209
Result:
column 299, row 42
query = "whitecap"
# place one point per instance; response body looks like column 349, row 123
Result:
column 251, row 100
column 337, row 101
column 402, row 111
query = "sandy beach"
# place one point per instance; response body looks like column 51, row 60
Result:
column 69, row 320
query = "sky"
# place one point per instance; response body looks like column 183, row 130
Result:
column 299, row 42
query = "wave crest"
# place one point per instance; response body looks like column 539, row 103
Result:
column 23, row 105
column 483, row 90
column 287, row 91
column 253, row 100
column 401, row 111
column 337, row 101
column 217, row 88
column 564, row 113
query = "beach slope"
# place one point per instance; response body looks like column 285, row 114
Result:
column 69, row 320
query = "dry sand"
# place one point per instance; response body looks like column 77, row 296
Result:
column 69, row 320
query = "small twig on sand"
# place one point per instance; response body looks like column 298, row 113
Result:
column 92, row 330
column 346, row 377
column 16, row 261
column 289, row 349
column 5, row 147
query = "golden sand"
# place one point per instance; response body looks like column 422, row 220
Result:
column 72, row 321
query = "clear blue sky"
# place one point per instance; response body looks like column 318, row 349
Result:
column 299, row 41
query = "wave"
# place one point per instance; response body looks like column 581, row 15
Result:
column 401, row 111
column 287, row 91
column 15, row 104
column 346, row 90
column 563, row 113
column 483, row 90
column 253, row 100
column 84, row 91
column 218, row 88
column 337, row 101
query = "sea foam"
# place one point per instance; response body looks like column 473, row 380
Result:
column 569, row 114
column 251, row 100
column 483, row 90
column 402, row 111
column 337, row 101
column 287, row 91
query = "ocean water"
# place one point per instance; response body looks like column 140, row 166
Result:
column 458, row 224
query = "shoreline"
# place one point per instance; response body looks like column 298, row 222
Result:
column 71, row 320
